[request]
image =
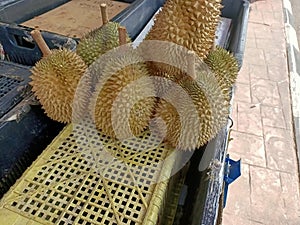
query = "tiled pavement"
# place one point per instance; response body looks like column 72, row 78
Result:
column 268, row 190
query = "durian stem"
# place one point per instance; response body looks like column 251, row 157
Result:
column 213, row 47
column 122, row 35
column 37, row 36
column 104, row 13
column 191, row 64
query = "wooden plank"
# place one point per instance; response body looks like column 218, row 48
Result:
column 76, row 17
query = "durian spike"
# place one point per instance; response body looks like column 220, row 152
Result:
column 122, row 35
column 37, row 36
column 191, row 64
column 103, row 7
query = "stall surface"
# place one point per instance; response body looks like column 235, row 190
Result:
column 75, row 18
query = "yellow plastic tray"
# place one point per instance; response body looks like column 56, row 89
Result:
column 77, row 181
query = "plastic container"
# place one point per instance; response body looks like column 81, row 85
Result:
column 19, row 46
column 17, row 11
column 14, row 86
column 64, row 185
column 20, row 121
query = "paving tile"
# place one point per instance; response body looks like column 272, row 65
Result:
column 290, row 192
column 229, row 219
column 242, row 93
column 258, row 71
column 243, row 75
column 251, row 42
column 265, row 92
column 263, row 31
column 280, row 149
column 249, row 118
column 276, row 6
column 255, row 16
column 264, row 7
column 270, row 45
column 234, row 115
column 269, row 18
column 238, row 198
column 284, row 91
column 277, row 73
column 275, row 57
column 254, row 56
column 250, row 29
column 250, row 148
column 272, row 116
column 266, row 204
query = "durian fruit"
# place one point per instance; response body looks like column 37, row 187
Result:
column 192, row 117
column 123, row 100
column 100, row 40
column 54, row 81
column 224, row 66
column 189, row 23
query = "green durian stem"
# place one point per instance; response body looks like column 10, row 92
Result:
column 38, row 38
column 103, row 8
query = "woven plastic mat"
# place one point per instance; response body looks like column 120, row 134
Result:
column 84, row 177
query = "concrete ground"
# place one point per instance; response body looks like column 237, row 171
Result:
column 268, row 190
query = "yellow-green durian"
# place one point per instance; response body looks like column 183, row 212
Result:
column 54, row 83
column 99, row 42
column 189, row 23
column 123, row 101
column 224, row 66
column 193, row 117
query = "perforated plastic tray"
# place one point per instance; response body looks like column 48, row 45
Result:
column 84, row 177
column 14, row 80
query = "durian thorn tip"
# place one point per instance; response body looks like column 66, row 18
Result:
column 122, row 35
column 103, row 8
column 38, row 38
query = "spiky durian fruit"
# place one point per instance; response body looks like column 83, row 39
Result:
column 123, row 101
column 98, row 42
column 225, row 67
column 54, row 82
column 193, row 116
column 189, row 23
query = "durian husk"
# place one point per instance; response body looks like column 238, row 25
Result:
column 190, row 23
column 98, row 42
column 210, row 108
column 54, row 83
column 224, row 66
column 123, row 89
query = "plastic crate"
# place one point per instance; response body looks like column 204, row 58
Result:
column 70, row 184
column 14, row 86
column 17, row 11
column 19, row 46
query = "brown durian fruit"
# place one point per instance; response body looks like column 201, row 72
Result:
column 189, row 23
column 224, row 66
column 54, row 82
column 123, row 101
column 190, row 122
column 98, row 42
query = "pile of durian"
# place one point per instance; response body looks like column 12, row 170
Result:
column 190, row 24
